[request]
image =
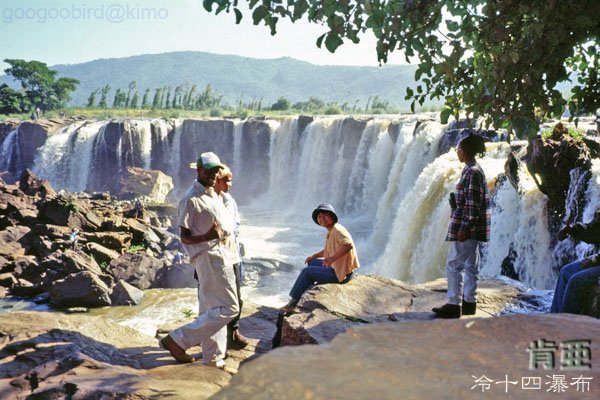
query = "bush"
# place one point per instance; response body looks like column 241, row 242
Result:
column 281, row 105
column 216, row 112
column 559, row 128
column 332, row 109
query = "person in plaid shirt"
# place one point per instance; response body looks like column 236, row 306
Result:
column 469, row 225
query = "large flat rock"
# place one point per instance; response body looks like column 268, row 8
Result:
column 328, row 310
column 440, row 359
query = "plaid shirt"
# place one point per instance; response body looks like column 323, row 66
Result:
column 472, row 212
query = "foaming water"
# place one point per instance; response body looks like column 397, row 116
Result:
column 10, row 151
column 66, row 157
column 384, row 176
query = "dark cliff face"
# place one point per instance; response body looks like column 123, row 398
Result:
column 254, row 160
column 199, row 136
column 106, row 163
column 29, row 138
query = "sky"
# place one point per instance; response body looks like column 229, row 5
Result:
column 75, row 31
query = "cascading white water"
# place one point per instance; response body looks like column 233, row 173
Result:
column 66, row 157
column 413, row 151
column 9, row 150
column 283, row 155
column 390, row 190
column 368, row 177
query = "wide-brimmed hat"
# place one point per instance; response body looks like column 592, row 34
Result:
column 208, row 160
column 324, row 207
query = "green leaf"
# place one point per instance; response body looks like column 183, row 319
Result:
column 238, row 15
column 445, row 115
column 320, row 40
column 300, row 8
column 208, row 5
column 260, row 13
column 333, row 41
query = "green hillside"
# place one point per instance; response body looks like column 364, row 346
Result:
column 242, row 78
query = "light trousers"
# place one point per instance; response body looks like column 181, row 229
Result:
column 218, row 305
column 463, row 258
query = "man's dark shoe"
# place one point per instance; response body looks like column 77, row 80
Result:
column 469, row 308
column 237, row 340
column 447, row 311
column 177, row 352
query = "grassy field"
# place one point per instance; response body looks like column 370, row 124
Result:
column 108, row 113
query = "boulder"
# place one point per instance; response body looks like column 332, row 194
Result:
column 69, row 212
column 16, row 209
column 31, row 185
column 552, row 160
column 176, row 276
column 117, row 241
column 24, row 288
column 123, row 294
column 13, row 241
column 42, row 247
column 328, row 310
column 137, row 269
column 58, row 265
column 449, row 359
column 82, row 289
column 142, row 233
column 136, row 182
column 101, row 254
column 27, row 267
column 7, row 279
column 3, row 292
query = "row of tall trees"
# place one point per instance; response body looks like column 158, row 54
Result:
column 181, row 97
column 187, row 98
column 39, row 88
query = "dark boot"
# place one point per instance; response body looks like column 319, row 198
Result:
column 236, row 340
column 469, row 308
column 177, row 352
column 447, row 311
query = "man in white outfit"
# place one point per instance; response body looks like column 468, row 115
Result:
column 205, row 226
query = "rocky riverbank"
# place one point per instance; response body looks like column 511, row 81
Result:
column 53, row 354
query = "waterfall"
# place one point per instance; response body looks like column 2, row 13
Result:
column 237, row 146
column 9, row 154
column 520, row 219
column 66, row 158
column 414, row 150
column 384, row 175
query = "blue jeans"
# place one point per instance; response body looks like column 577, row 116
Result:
column 313, row 273
column 574, row 288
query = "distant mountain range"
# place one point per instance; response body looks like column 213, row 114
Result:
column 242, row 78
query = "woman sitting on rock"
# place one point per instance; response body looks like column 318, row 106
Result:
column 334, row 264
column 469, row 225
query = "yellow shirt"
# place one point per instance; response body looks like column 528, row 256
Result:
column 336, row 238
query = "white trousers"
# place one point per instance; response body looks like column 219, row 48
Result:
column 218, row 304
column 462, row 257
